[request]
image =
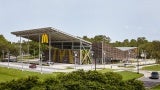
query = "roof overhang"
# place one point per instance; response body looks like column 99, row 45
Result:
column 126, row 48
column 55, row 35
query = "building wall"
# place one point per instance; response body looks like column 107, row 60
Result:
column 111, row 53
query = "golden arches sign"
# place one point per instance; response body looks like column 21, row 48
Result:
column 44, row 38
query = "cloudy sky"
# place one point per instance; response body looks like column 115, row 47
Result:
column 118, row 19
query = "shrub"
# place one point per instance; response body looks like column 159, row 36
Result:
column 135, row 84
column 113, row 78
column 20, row 84
column 95, row 76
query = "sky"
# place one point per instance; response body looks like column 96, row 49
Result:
column 117, row 19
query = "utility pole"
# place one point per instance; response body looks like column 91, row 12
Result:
column 75, row 57
column 92, row 53
column 137, row 60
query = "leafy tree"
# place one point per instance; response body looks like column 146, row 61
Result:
column 126, row 42
column 4, row 45
column 141, row 40
column 156, row 50
column 98, row 38
column 14, row 49
column 133, row 43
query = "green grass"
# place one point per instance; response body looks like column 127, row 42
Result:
column 69, row 67
column 127, row 75
column 130, row 67
column 152, row 68
column 10, row 74
column 106, row 70
column 156, row 87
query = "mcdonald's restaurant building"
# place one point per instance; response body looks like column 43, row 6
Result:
column 63, row 47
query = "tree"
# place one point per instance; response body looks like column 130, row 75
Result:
column 133, row 43
column 4, row 45
column 99, row 38
column 141, row 40
column 14, row 49
column 87, row 39
column 156, row 50
column 126, row 42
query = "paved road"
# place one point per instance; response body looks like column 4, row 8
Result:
column 148, row 83
column 57, row 67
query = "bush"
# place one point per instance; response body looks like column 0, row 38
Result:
column 135, row 84
column 113, row 78
column 20, row 84
column 95, row 76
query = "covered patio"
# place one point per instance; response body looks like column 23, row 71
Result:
column 63, row 47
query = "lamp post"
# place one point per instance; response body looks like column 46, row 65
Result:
column 137, row 62
column 111, row 62
column 8, row 57
column 22, row 60
column 75, row 57
column 102, row 54
column 145, row 55
column 137, row 65
column 129, row 53
column 92, row 53
column 95, row 63
column 41, row 56
column 104, row 61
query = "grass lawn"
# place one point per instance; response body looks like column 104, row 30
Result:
column 152, row 68
column 156, row 87
column 127, row 75
column 106, row 70
column 10, row 74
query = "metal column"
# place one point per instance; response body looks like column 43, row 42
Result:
column 49, row 48
column 102, row 52
column 28, row 44
column 21, row 53
column 39, row 47
column 80, row 54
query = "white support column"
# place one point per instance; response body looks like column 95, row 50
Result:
column 28, row 44
column 62, row 46
column 91, row 53
column 40, row 53
column 80, row 54
column 39, row 47
column 72, row 45
column 20, row 48
column 21, row 53
column 28, row 48
column 102, row 52
column 49, row 48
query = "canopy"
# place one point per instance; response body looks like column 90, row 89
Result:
column 55, row 35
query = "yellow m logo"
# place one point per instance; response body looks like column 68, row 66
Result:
column 44, row 38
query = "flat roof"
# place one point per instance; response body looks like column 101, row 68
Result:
column 126, row 48
column 55, row 35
